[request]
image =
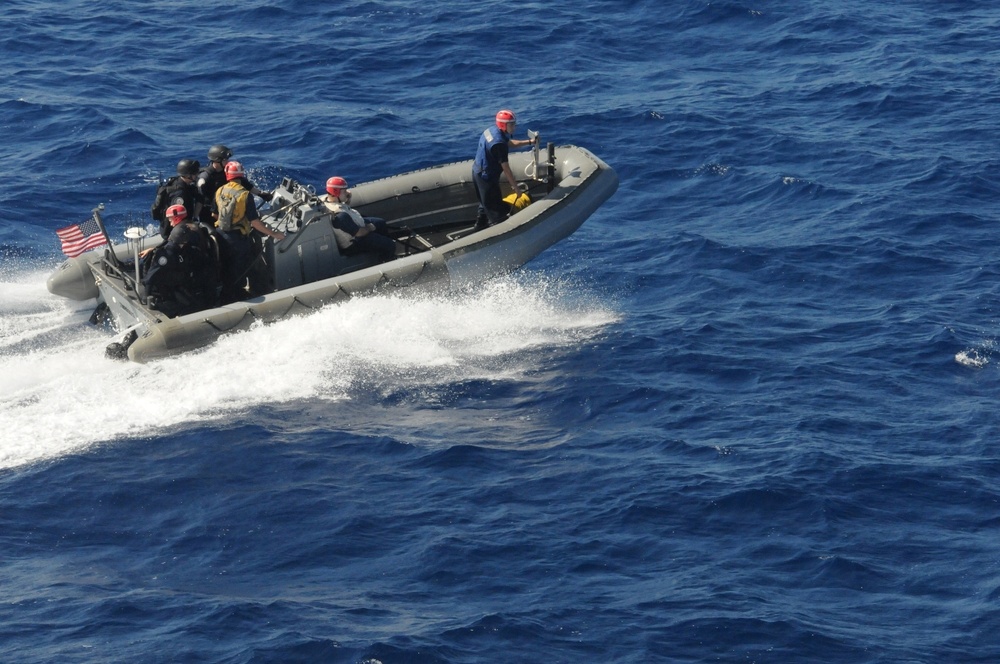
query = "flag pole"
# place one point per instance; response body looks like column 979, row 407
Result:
column 104, row 231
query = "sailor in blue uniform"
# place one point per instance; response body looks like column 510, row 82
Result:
column 490, row 164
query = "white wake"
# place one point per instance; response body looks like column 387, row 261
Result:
column 58, row 393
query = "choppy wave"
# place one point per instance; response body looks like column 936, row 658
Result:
column 745, row 413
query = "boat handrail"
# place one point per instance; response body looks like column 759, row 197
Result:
column 296, row 235
column 116, row 269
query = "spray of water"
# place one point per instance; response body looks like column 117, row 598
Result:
column 59, row 394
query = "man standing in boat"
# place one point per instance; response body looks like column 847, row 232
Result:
column 491, row 163
column 178, row 190
column 213, row 177
column 355, row 233
column 237, row 219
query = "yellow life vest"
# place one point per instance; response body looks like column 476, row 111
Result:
column 231, row 202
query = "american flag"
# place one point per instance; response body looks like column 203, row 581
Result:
column 81, row 237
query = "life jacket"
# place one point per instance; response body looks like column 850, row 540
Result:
column 486, row 165
column 208, row 183
column 175, row 191
column 344, row 239
column 231, row 203
column 161, row 202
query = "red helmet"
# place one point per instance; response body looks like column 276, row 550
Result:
column 335, row 186
column 506, row 120
column 176, row 214
column 234, row 170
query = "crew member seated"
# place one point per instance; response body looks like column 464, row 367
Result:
column 181, row 276
column 354, row 233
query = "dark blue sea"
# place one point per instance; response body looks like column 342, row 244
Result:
column 746, row 413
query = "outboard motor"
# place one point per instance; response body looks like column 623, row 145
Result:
column 119, row 349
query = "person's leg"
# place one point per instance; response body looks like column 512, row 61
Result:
column 237, row 255
column 482, row 220
column 382, row 245
column 259, row 273
column 496, row 209
column 381, row 225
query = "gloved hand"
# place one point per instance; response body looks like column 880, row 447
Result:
column 267, row 195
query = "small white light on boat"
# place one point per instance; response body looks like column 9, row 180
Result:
column 134, row 236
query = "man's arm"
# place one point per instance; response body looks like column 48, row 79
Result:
column 263, row 228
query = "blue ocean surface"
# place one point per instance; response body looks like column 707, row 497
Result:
column 746, row 413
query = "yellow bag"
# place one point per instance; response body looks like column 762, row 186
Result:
column 522, row 201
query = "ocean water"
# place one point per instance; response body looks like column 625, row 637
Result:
column 747, row 413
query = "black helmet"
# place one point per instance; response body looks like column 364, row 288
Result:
column 188, row 167
column 219, row 153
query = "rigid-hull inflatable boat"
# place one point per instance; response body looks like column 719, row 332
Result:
column 431, row 213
